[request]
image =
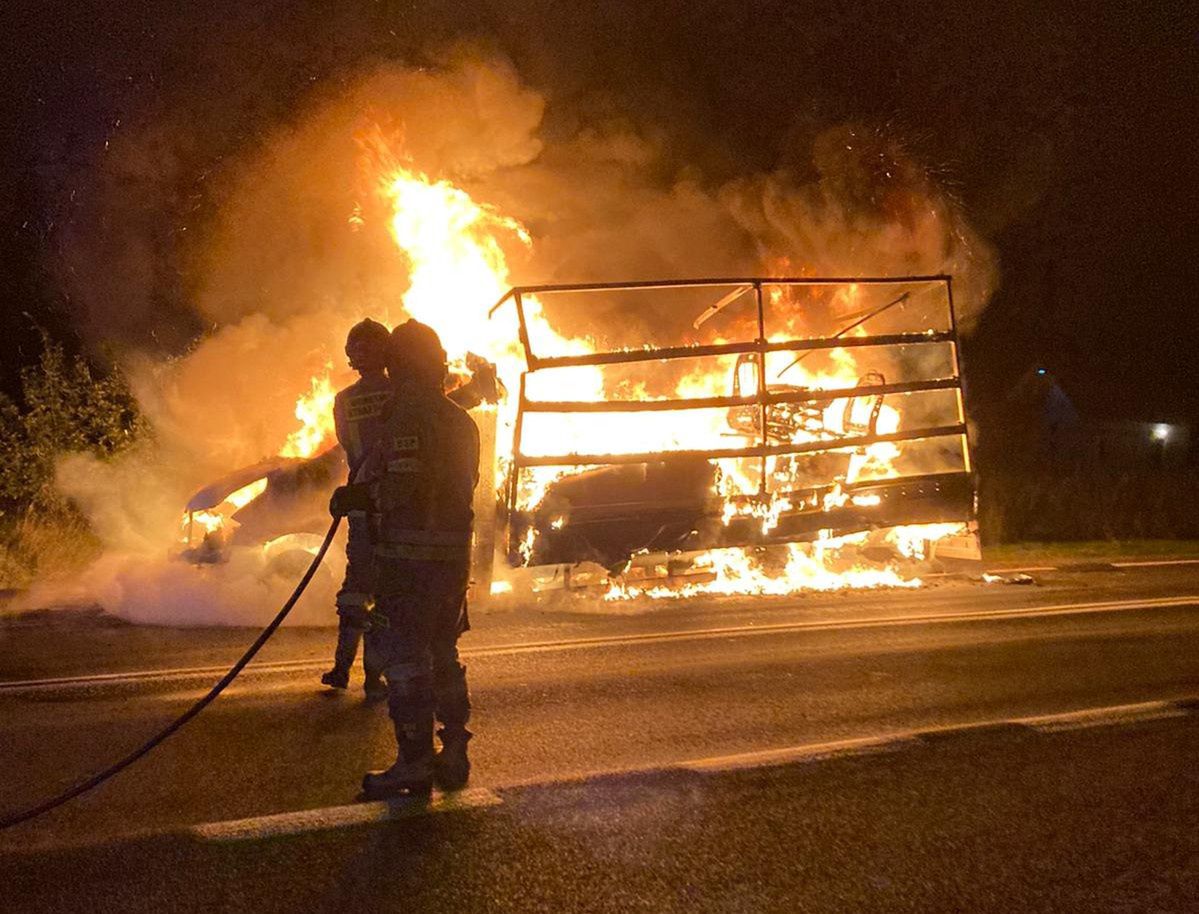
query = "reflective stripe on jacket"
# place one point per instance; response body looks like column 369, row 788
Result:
column 358, row 415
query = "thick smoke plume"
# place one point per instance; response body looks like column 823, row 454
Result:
column 296, row 249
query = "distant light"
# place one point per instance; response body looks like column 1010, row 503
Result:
column 1161, row 432
column 1040, row 371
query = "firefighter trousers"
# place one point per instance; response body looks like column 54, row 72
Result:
column 421, row 612
column 355, row 596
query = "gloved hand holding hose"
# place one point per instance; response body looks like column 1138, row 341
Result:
column 350, row 498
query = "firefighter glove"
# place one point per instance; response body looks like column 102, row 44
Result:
column 347, row 499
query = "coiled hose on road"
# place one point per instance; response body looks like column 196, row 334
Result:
column 24, row 815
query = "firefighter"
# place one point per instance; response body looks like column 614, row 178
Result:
column 420, row 480
column 357, row 416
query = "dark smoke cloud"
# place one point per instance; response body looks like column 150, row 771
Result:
column 136, row 257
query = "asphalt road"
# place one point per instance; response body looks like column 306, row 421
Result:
column 1100, row 819
column 1096, row 820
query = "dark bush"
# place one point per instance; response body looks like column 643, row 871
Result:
column 65, row 408
column 1087, row 502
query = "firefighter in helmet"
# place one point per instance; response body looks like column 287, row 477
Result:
column 357, row 417
column 420, row 481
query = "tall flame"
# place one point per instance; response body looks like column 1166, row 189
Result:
column 314, row 409
column 457, row 266
column 456, row 249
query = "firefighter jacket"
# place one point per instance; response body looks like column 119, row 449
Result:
column 358, row 415
column 423, row 474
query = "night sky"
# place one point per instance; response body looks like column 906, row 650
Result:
column 1067, row 131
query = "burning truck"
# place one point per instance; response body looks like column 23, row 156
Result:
column 744, row 435
column 790, row 420
column 767, row 435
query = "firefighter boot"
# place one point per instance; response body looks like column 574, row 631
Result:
column 336, row 678
column 451, row 767
column 374, row 686
column 412, row 773
column 343, row 657
column 349, row 633
column 403, row 779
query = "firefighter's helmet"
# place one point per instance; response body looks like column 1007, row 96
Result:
column 367, row 344
column 417, row 352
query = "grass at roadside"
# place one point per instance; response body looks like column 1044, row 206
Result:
column 45, row 546
column 1030, row 554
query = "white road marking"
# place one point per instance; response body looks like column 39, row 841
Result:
column 131, row 676
column 838, row 625
column 1049, row 723
column 1103, row 717
column 1156, row 562
column 764, row 758
column 701, row 634
column 310, row 820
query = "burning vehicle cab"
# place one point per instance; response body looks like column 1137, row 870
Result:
column 279, row 504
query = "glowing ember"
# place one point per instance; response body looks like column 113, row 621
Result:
column 209, row 521
column 913, row 542
column 736, row 573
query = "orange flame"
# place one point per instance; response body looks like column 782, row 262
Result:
column 216, row 519
column 458, row 266
column 315, row 412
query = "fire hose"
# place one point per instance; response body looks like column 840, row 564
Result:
column 24, row 815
